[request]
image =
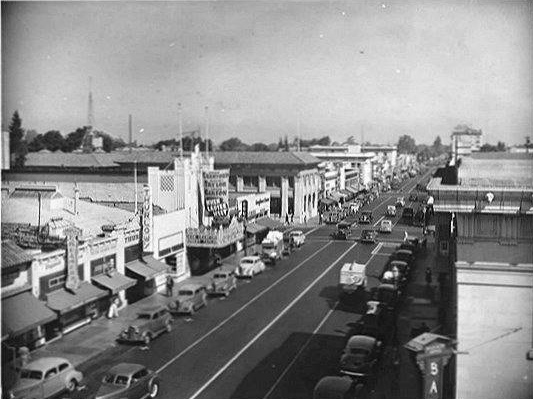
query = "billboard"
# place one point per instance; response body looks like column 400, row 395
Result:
column 216, row 186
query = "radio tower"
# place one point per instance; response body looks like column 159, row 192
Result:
column 90, row 108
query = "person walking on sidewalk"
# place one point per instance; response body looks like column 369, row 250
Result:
column 170, row 286
column 429, row 277
column 292, row 218
column 286, row 218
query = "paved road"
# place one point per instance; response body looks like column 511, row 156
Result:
column 274, row 337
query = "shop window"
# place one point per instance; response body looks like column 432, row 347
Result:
column 444, row 247
column 57, row 281
column 291, row 181
column 273, row 181
column 250, row 181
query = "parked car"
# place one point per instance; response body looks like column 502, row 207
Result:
column 151, row 322
column 391, row 210
column 403, row 267
column 413, row 196
column 360, row 356
column 339, row 235
column 191, row 297
column 298, row 237
column 249, row 266
column 385, row 226
column 408, row 215
column 388, row 295
column 403, row 254
column 369, row 236
column 400, row 201
column 366, row 217
column 45, row 377
column 223, row 282
column 334, row 387
column 128, row 380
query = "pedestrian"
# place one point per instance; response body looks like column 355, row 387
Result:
column 428, row 276
column 170, row 286
column 113, row 309
column 406, row 236
column 305, row 218
column 292, row 218
column 286, row 218
column 320, row 218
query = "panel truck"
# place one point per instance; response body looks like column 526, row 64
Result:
column 272, row 247
column 352, row 277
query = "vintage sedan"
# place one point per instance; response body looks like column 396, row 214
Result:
column 151, row 322
column 360, row 356
column 369, row 236
column 129, row 380
column 191, row 297
column 366, row 217
column 249, row 266
column 385, row 226
column 298, row 237
column 400, row 201
column 222, row 282
column 45, row 377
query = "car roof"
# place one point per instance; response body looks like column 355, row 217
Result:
column 190, row 286
column 388, row 287
column 332, row 385
column 45, row 362
column 151, row 309
column 126, row 368
column 296, row 232
column 404, row 251
column 251, row 257
column 398, row 262
column 386, row 221
column 361, row 341
column 366, row 212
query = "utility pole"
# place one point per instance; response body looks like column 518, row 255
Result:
column 90, row 106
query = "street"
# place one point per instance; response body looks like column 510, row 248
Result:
column 275, row 336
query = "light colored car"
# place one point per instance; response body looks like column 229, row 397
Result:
column 386, row 226
column 400, row 201
column 391, row 210
column 151, row 321
column 191, row 297
column 130, row 380
column 249, row 266
column 222, row 282
column 298, row 237
column 46, row 377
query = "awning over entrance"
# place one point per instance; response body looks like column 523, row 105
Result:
column 115, row 282
column 346, row 193
column 327, row 201
column 148, row 267
column 270, row 223
column 336, row 196
column 63, row 301
column 254, row 228
column 352, row 190
column 23, row 312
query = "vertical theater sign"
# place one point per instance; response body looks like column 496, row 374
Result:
column 73, row 278
column 147, row 220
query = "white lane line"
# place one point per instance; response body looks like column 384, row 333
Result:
column 379, row 220
column 255, row 298
column 300, row 351
column 310, row 231
column 376, row 250
column 268, row 326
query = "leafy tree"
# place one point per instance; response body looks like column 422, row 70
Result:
column 286, row 143
column 406, row 145
column 74, row 139
column 500, row 147
column 53, row 140
column 259, row 147
column 17, row 148
column 437, row 146
column 37, row 144
column 109, row 143
column 280, row 144
column 233, row 144
column 350, row 140
column 30, row 135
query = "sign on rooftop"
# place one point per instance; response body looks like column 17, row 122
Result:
column 216, row 187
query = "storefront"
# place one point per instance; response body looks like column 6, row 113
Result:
column 78, row 307
column 150, row 276
column 25, row 320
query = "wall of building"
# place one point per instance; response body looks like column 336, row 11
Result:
column 4, row 149
column 494, row 325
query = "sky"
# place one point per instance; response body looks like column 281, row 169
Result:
column 374, row 70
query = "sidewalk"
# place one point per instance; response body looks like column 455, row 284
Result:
column 421, row 304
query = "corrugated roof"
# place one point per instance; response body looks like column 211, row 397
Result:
column 265, row 158
column 13, row 255
column 497, row 170
column 78, row 160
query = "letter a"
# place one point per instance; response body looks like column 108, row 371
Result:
column 433, row 388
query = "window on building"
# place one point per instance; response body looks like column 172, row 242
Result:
column 57, row 281
column 291, row 181
column 273, row 181
column 233, row 180
column 250, row 181
column 444, row 247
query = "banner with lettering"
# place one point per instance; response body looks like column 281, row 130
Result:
column 216, row 187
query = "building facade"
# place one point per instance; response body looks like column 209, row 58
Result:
column 465, row 141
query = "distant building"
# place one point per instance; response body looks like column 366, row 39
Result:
column 465, row 140
column 484, row 235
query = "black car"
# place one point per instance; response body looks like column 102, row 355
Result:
column 339, row 235
column 388, row 295
column 366, row 217
column 369, row 236
column 404, row 255
column 334, row 387
column 408, row 215
column 360, row 356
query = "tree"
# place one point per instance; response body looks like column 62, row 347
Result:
column 259, row 147
column 74, row 139
column 30, row 135
column 406, row 145
column 280, row 144
column 17, row 148
column 286, row 143
column 37, row 144
column 109, row 143
column 53, row 140
column 350, row 140
column 437, row 146
column 233, row 144
column 500, row 147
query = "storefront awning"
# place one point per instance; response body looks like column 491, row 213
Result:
column 270, row 223
column 336, row 196
column 327, row 201
column 352, row 190
column 22, row 312
column 346, row 192
column 148, row 267
column 115, row 282
column 254, row 228
column 62, row 300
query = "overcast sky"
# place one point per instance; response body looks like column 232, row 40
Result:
column 381, row 69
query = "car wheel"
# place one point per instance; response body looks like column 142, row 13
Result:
column 147, row 338
column 154, row 389
column 71, row 385
column 168, row 326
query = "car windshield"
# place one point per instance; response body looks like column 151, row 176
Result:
column 185, row 293
column 247, row 261
column 359, row 351
column 121, row 380
column 296, row 233
column 109, row 378
column 268, row 246
column 219, row 275
column 144, row 316
column 31, row 374
column 386, row 222
column 367, row 232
